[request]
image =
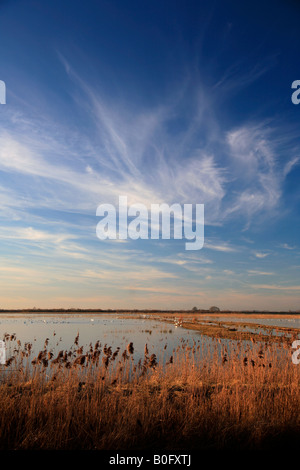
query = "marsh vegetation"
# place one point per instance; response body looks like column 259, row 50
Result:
column 209, row 393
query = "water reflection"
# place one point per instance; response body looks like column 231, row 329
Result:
column 108, row 329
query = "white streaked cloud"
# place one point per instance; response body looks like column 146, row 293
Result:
column 286, row 246
column 226, row 248
column 260, row 255
column 256, row 167
column 34, row 235
column 239, row 75
column 260, row 273
column 131, row 151
column 290, row 165
column 275, row 287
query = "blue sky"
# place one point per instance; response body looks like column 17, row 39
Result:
column 174, row 102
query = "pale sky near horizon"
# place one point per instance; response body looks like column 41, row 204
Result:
column 163, row 102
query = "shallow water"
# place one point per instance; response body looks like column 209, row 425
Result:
column 114, row 330
column 275, row 321
column 108, row 329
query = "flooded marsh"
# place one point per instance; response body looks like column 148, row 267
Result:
column 141, row 382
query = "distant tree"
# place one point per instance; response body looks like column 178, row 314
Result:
column 194, row 309
column 214, row 309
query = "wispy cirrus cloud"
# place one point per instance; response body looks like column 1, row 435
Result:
column 224, row 247
column 275, row 287
column 290, row 165
column 241, row 74
column 260, row 273
column 286, row 246
column 257, row 170
column 135, row 151
column 260, row 255
column 33, row 235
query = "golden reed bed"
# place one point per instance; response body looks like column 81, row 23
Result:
column 207, row 395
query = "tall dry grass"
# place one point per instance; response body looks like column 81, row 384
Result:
column 207, row 395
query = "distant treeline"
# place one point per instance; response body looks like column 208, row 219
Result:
column 99, row 310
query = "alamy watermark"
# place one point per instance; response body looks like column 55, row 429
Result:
column 2, row 353
column 296, row 354
column 2, row 92
column 161, row 222
column 295, row 95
